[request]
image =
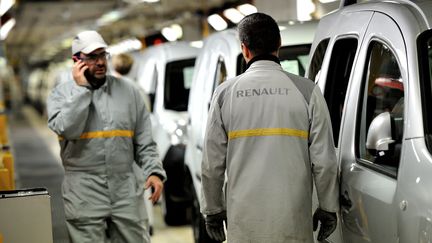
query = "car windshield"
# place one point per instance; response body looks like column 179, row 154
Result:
column 178, row 80
column 293, row 59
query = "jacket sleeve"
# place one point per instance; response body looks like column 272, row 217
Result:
column 68, row 108
column 146, row 154
column 322, row 153
column 214, row 161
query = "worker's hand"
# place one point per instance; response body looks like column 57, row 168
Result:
column 215, row 227
column 328, row 223
column 157, row 185
column 78, row 70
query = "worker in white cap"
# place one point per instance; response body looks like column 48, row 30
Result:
column 103, row 128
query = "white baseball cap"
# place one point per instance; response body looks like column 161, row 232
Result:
column 87, row 41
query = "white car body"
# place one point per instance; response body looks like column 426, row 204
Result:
column 164, row 72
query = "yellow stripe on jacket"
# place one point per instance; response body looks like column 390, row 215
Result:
column 105, row 134
column 268, row 132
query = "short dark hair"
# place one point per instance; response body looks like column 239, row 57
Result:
column 122, row 63
column 260, row 33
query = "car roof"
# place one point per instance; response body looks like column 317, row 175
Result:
column 421, row 10
column 170, row 51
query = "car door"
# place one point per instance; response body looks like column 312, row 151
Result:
column 335, row 51
column 368, row 174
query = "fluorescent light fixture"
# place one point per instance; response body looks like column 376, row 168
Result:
column 233, row 15
column 125, row 46
column 4, row 30
column 197, row 44
column 5, row 5
column 141, row 1
column 178, row 30
column 247, row 9
column 217, row 22
column 109, row 17
column 281, row 27
column 304, row 9
column 327, row 1
column 173, row 32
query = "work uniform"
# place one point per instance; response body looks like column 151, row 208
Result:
column 102, row 133
column 270, row 132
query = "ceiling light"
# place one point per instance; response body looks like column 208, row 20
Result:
column 327, row 1
column 5, row 5
column 247, row 9
column 233, row 15
column 4, row 30
column 217, row 22
column 197, row 44
column 125, row 46
column 304, row 9
column 173, row 32
column 150, row 1
column 110, row 17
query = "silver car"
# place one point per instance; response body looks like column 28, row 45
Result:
column 373, row 63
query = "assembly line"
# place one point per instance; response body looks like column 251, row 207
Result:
column 269, row 132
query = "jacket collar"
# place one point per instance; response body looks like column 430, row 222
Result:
column 267, row 57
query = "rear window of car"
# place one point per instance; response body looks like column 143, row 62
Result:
column 293, row 59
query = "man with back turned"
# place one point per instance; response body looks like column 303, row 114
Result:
column 269, row 139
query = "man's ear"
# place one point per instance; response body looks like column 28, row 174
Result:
column 247, row 54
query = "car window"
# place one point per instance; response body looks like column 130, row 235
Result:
column 178, row 79
column 382, row 96
column 425, row 64
column 220, row 74
column 338, row 75
column 317, row 59
column 294, row 59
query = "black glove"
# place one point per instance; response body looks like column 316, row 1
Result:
column 215, row 227
column 328, row 223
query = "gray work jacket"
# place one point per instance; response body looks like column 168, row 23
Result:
column 103, row 131
column 270, row 132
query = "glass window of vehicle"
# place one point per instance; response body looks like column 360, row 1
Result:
column 293, row 59
column 382, row 102
column 338, row 75
column 425, row 63
column 317, row 59
column 221, row 73
column 178, row 79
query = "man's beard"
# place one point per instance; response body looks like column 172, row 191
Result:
column 94, row 82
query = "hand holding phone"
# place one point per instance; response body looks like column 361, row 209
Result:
column 78, row 70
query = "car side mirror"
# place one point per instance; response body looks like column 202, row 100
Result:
column 379, row 135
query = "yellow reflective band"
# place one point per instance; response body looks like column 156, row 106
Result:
column 105, row 134
column 268, row 132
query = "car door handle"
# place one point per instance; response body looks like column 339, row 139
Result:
column 199, row 148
